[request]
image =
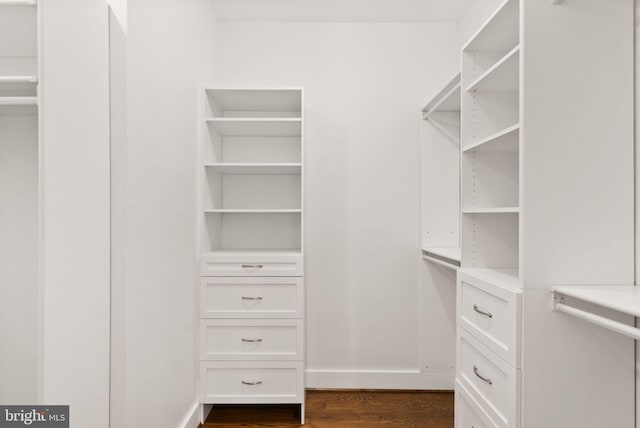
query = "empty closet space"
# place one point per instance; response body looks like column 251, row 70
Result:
column 18, row 201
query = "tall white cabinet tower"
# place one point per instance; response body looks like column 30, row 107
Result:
column 251, row 240
column 19, row 201
column 547, row 200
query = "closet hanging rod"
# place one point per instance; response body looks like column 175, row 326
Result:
column 18, row 101
column 18, row 79
column 18, row 3
column 440, row 262
column 610, row 324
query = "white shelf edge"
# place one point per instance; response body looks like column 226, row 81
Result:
column 252, row 211
column 494, row 67
column 498, row 210
column 18, row 79
column 252, row 164
column 18, row 101
column 253, row 119
column 486, row 24
column 442, row 96
column 18, row 3
column 492, row 137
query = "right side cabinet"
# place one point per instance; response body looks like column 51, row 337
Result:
column 547, row 198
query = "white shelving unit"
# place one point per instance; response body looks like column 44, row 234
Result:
column 535, row 212
column 251, row 264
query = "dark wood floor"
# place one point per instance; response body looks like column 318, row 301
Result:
column 358, row 409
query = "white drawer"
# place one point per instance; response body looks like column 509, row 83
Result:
column 236, row 297
column 245, row 382
column 493, row 314
column 490, row 380
column 252, row 339
column 251, row 264
column 469, row 413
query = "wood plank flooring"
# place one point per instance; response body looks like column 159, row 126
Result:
column 345, row 409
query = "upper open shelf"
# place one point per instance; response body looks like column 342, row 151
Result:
column 504, row 141
column 258, row 127
column 500, row 32
column 254, row 102
column 257, row 168
column 503, row 76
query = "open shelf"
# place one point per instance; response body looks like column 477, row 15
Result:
column 251, row 211
column 259, row 127
column 504, row 141
column 254, row 102
column 508, row 277
column 257, row 168
column 624, row 299
column 503, row 76
column 497, row 210
column 251, row 252
column 448, row 99
column 500, row 32
column 18, row 79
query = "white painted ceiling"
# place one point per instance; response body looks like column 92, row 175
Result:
column 341, row 10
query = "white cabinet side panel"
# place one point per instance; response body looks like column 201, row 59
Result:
column 577, row 124
column 575, row 374
column 75, row 165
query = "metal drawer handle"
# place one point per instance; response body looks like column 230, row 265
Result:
column 251, row 298
column 252, row 340
column 255, row 267
column 252, row 383
column 481, row 312
column 486, row 379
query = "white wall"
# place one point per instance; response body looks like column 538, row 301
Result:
column 75, row 209
column 365, row 85
column 168, row 54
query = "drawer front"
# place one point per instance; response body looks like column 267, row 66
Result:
column 493, row 314
column 251, row 297
column 242, row 383
column 489, row 379
column 247, row 264
column 251, row 339
column 469, row 413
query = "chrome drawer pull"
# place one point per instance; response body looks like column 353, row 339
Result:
column 486, row 379
column 252, row 340
column 251, row 298
column 252, row 383
column 255, row 267
column 481, row 312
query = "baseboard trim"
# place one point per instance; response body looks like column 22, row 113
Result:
column 370, row 379
column 192, row 420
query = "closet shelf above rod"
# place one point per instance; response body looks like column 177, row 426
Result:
column 624, row 299
column 18, row 79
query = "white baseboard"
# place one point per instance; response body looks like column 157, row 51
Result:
column 372, row 379
column 192, row 420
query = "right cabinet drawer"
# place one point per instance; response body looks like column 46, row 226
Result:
column 251, row 264
column 268, row 297
column 491, row 313
column 489, row 379
column 469, row 414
